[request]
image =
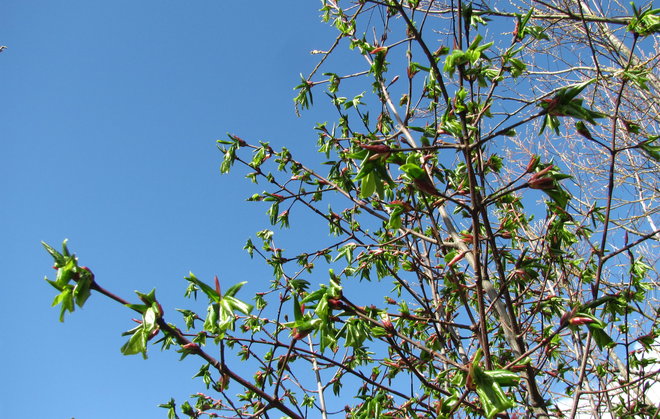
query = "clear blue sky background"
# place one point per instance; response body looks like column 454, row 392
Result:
column 109, row 112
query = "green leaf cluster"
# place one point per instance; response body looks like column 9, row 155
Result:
column 566, row 103
column 147, row 327
column 460, row 58
column 73, row 282
column 644, row 22
column 488, row 385
column 220, row 316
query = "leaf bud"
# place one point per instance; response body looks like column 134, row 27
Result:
column 533, row 162
column 335, row 303
column 543, row 183
column 192, row 347
column 300, row 334
column 576, row 321
column 376, row 148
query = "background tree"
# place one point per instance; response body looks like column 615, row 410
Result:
column 489, row 186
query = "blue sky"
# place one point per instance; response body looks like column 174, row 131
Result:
column 109, row 116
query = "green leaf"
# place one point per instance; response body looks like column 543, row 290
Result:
column 66, row 272
column 315, row 296
column 237, row 304
column 210, row 292
column 65, row 299
column 652, row 150
column 504, row 377
column 356, row 333
column 453, row 60
column 559, row 196
column 148, row 299
column 493, row 399
column 150, row 318
column 226, row 317
column 413, row 171
column 394, row 221
column 141, row 308
column 234, row 289
column 229, row 158
column 81, row 291
column 211, row 321
column 59, row 258
column 644, row 23
column 171, row 409
column 137, row 344
column 368, row 185
column 304, row 97
column 602, row 339
column 297, row 309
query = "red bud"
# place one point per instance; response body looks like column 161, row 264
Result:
column 388, row 326
column 239, row 140
column 533, row 162
column 335, row 303
column 191, row 346
column 406, row 206
column 217, row 285
column 376, row 148
column 575, row 321
column 506, row 234
column 517, row 368
column 544, row 170
column 456, row 258
column 300, row 334
column 425, row 185
column 515, row 32
column 544, row 183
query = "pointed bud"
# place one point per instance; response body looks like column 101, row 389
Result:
column 335, row 303
column 300, row 334
column 576, row 321
column 544, row 170
column 217, row 285
column 388, row 326
column 425, row 185
column 376, row 148
column 533, row 162
column 516, row 31
column 540, row 181
column 456, row 259
column 505, row 234
column 192, row 347
column 544, row 183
